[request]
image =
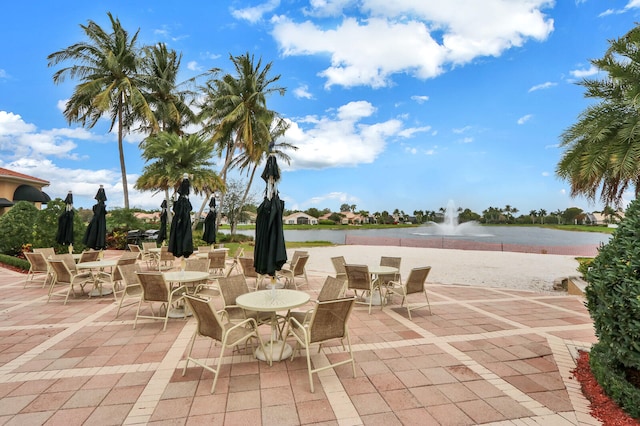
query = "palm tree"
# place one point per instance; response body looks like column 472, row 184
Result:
column 603, row 147
column 169, row 156
column 532, row 215
column 166, row 97
column 542, row 213
column 234, row 110
column 107, row 67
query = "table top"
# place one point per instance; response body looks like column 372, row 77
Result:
column 185, row 276
column 104, row 263
column 155, row 250
column 377, row 269
column 205, row 254
column 264, row 300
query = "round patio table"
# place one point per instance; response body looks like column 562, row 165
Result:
column 98, row 266
column 185, row 278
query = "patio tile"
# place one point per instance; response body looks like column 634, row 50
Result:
column 70, row 417
column 281, row 415
column 314, row 411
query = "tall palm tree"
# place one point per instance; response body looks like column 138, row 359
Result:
column 107, row 67
column 234, row 110
column 168, row 98
column 603, row 146
column 169, row 156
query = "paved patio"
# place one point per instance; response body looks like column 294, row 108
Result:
column 485, row 356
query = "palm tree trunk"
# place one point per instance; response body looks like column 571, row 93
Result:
column 123, row 168
column 244, row 197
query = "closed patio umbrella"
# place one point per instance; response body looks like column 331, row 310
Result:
column 64, row 234
column 162, row 234
column 209, row 232
column 270, row 252
column 96, row 235
column 180, row 236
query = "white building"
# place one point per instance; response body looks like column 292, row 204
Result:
column 300, row 218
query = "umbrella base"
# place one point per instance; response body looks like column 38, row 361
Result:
column 178, row 312
column 272, row 351
column 376, row 300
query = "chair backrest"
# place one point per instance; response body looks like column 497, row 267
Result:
column 134, row 248
column 165, row 254
column 89, row 256
column 154, row 287
column 148, row 245
column 197, row 264
column 38, row 262
column 128, row 274
column 297, row 254
column 209, row 323
column 217, row 259
column 333, row 288
column 248, row 270
column 67, row 259
column 329, row 319
column 231, row 287
column 417, row 278
column 358, row 277
column 300, row 263
column 338, row 264
column 48, row 252
column 239, row 253
column 125, row 259
column 390, row 261
column 61, row 270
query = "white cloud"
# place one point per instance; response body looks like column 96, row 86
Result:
column 581, row 73
column 302, row 92
column 3, row 74
column 545, row 174
column 420, row 99
column 193, row 66
column 418, row 38
column 343, row 138
column 341, row 197
column 545, row 85
column 255, row 13
column 462, row 129
column 525, row 118
column 467, row 140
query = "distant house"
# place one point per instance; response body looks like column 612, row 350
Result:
column 300, row 218
column 16, row 187
column 148, row 217
column 348, row 218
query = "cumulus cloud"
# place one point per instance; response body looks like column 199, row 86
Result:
column 255, row 13
column 193, row 66
column 3, row 74
column 524, row 118
column 420, row 99
column 422, row 39
column 582, row 73
column 545, row 85
column 302, row 92
column 342, row 138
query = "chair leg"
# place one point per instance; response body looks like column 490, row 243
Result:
column 135, row 321
column 428, row 304
column 309, row 366
column 186, row 363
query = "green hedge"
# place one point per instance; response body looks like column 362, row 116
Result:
column 14, row 261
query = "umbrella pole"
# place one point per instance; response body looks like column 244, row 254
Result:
column 71, row 248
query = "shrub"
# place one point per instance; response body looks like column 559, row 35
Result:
column 613, row 300
column 15, row 262
column 17, row 227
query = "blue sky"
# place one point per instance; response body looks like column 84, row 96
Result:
column 393, row 105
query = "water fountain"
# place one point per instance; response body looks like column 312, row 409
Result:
column 450, row 225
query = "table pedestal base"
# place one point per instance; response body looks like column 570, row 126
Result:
column 376, row 300
column 100, row 291
column 274, row 348
column 277, row 284
column 178, row 312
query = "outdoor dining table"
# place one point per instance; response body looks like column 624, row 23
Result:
column 96, row 266
column 273, row 301
column 204, row 255
column 188, row 279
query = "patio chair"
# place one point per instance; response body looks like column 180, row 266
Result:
column 217, row 264
column 166, row 260
column 156, row 290
column 89, row 256
column 197, row 264
column 148, row 256
column 333, row 288
column 383, row 279
column 230, row 288
column 414, row 284
column 127, row 258
column 134, row 248
column 328, row 322
column 131, row 288
column 48, row 252
column 297, row 270
column 249, row 271
column 338, row 264
column 38, row 269
column 359, row 279
column 211, row 325
column 232, row 263
column 63, row 275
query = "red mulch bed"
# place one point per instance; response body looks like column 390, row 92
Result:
column 602, row 407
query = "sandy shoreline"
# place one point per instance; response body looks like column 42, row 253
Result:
column 536, row 272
